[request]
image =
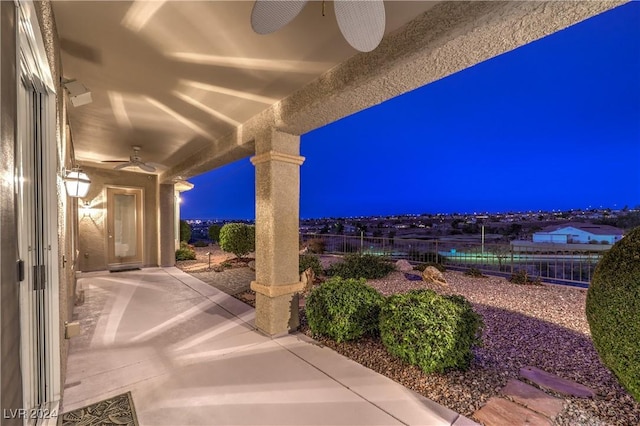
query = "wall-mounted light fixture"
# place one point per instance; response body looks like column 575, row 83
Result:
column 86, row 209
column 77, row 183
column 78, row 94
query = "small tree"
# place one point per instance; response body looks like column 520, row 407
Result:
column 185, row 231
column 238, row 238
column 214, row 233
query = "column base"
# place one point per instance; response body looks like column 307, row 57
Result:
column 276, row 314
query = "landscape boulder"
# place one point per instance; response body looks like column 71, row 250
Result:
column 403, row 265
column 431, row 275
column 308, row 277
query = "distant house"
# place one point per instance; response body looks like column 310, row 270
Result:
column 578, row 233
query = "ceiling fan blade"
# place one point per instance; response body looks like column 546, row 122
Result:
column 362, row 22
column 268, row 16
column 114, row 161
column 122, row 166
column 146, row 167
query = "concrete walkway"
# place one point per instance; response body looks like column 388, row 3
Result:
column 189, row 354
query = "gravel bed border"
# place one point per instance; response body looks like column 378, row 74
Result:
column 543, row 326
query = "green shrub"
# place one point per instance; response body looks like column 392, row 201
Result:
column 523, row 278
column 613, row 311
column 343, row 309
column 439, row 266
column 429, row 330
column 309, row 261
column 200, row 243
column 214, row 233
column 185, row 231
column 475, row 273
column 367, row 266
column 238, row 238
column 185, row 252
column 316, row 245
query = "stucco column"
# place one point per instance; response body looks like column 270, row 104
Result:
column 277, row 162
column 167, row 226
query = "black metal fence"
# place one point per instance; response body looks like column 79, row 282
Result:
column 558, row 263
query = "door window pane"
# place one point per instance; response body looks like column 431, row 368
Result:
column 124, row 225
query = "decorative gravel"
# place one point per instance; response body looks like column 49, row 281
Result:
column 542, row 326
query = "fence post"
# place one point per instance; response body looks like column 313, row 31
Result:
column 511, row 250
column 361, row 242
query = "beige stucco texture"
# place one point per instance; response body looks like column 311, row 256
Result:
column 92, row 228
column 277, row 165
column 446, row 39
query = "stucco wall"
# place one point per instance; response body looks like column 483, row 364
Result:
column 92, row 230
column 10, row 373
column 571, row 235
column 547, row 237
column 167, row 209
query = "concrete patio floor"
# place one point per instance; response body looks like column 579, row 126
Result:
column 190, row 355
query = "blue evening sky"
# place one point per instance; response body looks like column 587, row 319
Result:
column 554, row 124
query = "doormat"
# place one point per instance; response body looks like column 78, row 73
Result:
column 118, row 410
column 133, row 268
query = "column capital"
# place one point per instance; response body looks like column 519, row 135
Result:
column 277, row 290
column 276, row 156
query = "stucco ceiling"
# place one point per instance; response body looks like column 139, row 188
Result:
column 193, row 85
column 174, row 77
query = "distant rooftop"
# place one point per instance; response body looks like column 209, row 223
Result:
column 587, row 227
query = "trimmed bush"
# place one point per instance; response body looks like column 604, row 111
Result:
column 214, row 233
column 185, row 252
column 367, row 266
column 343, row 309
column 185, row 231
column 475, row 273
column 523, row 278
column 316, row 245
column 613, row 311
column 309, row 261
column 238, row 238
column 429, row 330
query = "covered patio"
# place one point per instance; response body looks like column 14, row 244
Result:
column 188, row 354
column 178, row 89
column 195, row 88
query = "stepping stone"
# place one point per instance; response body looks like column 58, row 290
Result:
column 533, row 398
column 500, row 412
column 556, row 383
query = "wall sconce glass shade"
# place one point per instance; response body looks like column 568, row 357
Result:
column 77, row 183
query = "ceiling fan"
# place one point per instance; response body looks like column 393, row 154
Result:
column 134, row 161
column 361, row 22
